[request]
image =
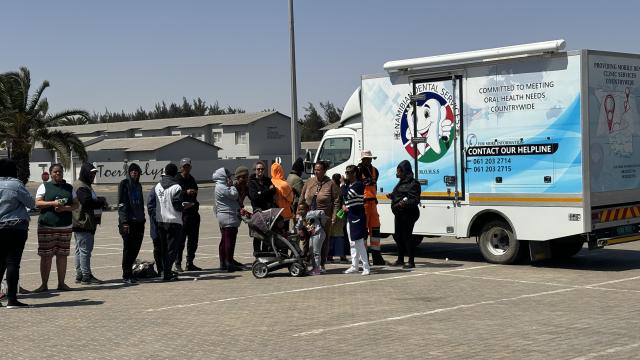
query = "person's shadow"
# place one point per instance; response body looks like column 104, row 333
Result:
column 70, row 303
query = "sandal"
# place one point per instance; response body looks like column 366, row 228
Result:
column 41, row 289
column 64, row 287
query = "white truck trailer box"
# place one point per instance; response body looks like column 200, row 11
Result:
column 530, row 149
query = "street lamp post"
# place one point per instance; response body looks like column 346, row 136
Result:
column 294, row 97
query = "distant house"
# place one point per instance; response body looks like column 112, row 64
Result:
column 239, row 136
column 151, row 149
column 212, row 141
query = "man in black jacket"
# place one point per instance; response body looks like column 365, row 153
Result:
column 131, row 220
column 190, row 217
column 261, row 189
column 86, row 218
column 261, row 192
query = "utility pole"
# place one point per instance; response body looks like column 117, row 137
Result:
column 294, row 96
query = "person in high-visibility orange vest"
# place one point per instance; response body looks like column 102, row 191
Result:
column 369, row 175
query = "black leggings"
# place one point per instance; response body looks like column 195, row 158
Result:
column 11, row 248
column 404, row 234
column 131, row 247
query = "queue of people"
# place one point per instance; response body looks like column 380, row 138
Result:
column 332, row 216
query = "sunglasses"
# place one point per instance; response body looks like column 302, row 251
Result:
column 348, row 172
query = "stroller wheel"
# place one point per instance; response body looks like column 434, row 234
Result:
column 297, row 270
column 259, row 270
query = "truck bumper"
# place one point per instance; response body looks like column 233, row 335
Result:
column 613, row 236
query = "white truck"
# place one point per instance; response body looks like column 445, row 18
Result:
column 530, row 149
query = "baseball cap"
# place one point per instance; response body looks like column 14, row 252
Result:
column 185, row 161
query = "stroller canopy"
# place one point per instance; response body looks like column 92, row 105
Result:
column 263, row 220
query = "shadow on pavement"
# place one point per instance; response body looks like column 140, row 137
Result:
column 109, row 285
column 70, row 303
column 215, row 276
column 43, row 295
column 608, row 259
column 468, row 252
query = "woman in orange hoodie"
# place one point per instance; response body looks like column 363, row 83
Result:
column 284, row 194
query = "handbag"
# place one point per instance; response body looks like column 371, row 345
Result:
column 314, row 199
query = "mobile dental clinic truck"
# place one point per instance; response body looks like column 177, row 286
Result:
column 530, row 149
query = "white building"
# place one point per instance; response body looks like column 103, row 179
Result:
column 239, row 136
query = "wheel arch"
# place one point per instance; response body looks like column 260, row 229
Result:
column 483, row 217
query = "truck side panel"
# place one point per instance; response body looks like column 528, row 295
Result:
column 614, row 121
column 520, row 139
column 522, row 128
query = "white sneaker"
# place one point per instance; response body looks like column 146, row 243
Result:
column 365, row 272
column 351, row 270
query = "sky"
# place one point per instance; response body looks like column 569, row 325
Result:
column 120, row 55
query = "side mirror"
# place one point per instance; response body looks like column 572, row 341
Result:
column 308, row 163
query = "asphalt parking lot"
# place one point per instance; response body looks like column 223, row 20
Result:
column 452, row 306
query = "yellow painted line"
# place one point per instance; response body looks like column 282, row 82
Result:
column 524, row 199
column 433, row 194
column 424, row 194
column 623, row 240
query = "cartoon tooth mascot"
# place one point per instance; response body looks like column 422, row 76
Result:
column 432, row 124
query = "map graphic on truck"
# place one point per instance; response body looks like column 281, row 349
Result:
column 434, row 118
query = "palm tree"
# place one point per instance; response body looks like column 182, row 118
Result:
column 24, row 121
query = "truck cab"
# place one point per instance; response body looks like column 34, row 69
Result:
column 341, row 147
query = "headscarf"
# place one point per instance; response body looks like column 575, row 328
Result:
column 298, row 166
column 8, row 168
column 284, row 194
column 406, row 167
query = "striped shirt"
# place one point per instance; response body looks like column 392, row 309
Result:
column 354, row 195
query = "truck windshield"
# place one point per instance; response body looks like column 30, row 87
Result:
column 335, row 150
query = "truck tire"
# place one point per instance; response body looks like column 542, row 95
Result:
column 498, row 245
column 566, row 248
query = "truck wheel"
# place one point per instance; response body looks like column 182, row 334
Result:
column 566, row 248
column 498, row 244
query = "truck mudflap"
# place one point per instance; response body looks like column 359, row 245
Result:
column 613, row 236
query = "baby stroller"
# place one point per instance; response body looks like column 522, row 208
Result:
column 277, row 252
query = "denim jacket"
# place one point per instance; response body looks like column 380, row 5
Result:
column 14, row 201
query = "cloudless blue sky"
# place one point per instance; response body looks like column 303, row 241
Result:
column 124, row 54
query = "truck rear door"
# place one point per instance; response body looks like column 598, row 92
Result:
column 430, row 135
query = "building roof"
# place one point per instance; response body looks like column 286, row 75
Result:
column 330, row 126
column 309, row 145
column 141, row 143
column 180, row 123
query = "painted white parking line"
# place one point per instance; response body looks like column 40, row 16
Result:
column 508, row 280
column 70, row 269
column 462, row 306
column 613, row 282
column 606, row 353
column 410, row 275
column 435, row 311
column 612, row 289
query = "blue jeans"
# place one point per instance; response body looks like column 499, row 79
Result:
column 337, row 246
column 84, row 247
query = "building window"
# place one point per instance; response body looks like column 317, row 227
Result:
column 241, row 137
column 138, row 134
column 176, row 133
column 217, row 137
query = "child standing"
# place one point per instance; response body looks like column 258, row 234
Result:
column 301, row 228
column 353, row 197
column 336, row 234
column 315, row 219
